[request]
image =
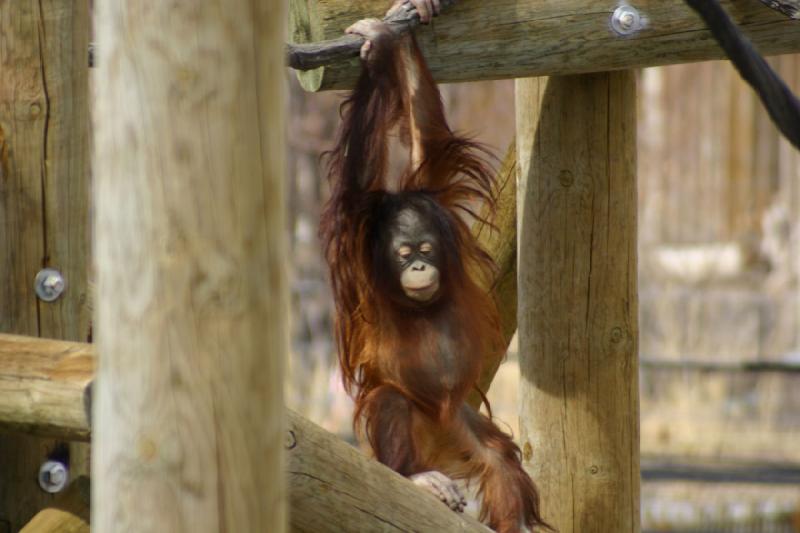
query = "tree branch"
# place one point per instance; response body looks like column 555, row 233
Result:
column 314, row 55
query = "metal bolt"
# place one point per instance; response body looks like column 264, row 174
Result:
column 49, row 284
column 53, row 476
column 626, row 20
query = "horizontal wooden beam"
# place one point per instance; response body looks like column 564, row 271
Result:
column 313, row 55
column 44, row 386
column 479, row 40
column 333, row 487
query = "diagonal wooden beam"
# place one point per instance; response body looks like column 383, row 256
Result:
column 500, row 240
column 332, row 486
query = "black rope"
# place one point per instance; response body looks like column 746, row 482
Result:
column 783, row 106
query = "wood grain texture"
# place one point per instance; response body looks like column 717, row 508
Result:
column 576, row 143
column 192, row 299
column 335, row 488
column 22, row 156
column 44, row 180
column 43, row 386
column 65, row 169
column 69, row 513
column 478, row 40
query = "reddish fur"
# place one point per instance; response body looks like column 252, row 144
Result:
column 410, row 402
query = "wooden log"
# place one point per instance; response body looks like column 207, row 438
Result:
column 68, row 514
column 335, row 488
column 332, row 486
column 479, row 40
column 44, row 386
column 576, row 143
column 44, row 182
column 192, row 298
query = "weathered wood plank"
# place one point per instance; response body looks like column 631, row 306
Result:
column 477, row 40
column 65, row 170
column 65, row 178
column 23, row 119
column 576, row 144
column 192, row 294
column 43, row 202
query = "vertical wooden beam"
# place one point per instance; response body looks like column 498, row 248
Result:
column 44, row 177
column 576, row 140
column 192, row 301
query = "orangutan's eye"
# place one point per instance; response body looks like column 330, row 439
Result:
column 404, row 251
column 425, row 248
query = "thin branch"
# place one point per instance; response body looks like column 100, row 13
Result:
column 790, row 8
column 313, row 55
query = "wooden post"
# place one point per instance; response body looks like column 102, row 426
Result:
column 192, row 300
column 44, row 179
column 576, row 140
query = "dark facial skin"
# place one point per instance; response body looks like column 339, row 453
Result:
column 414, row 250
